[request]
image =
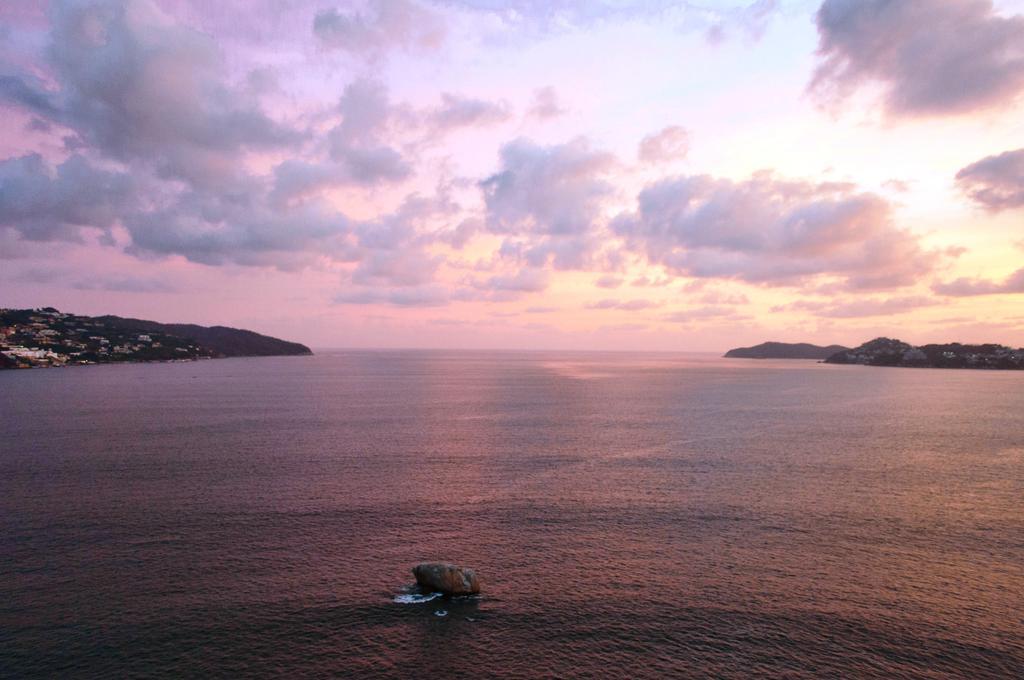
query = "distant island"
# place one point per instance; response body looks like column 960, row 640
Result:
column 891, row 352
column 31, row 338
column 784, row 350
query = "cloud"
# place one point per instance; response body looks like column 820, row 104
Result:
column 95, row 281
column 622, row 327
column 385, row 25
column 715, row 297
column 751, row 20
column 670, row 144
column 358, row 143
column 534, row 19
column 706, row 313
column 545, row 104
column 125, row 284
column 771, row 231
column 562, row 251
column 251, row 231
column 138, row 87
column 931, row 57
column 625, row 305
column 362, row 149
column 861, row 308
column 523, row 281
column 964, row 287
column 995, row 182
column 549, row 190
column 394, row 250
column 542, row 16
column 366, row 112
column 252, row 228
column 298, row 179
column 462, row 233
column 358, row 148
column 458, row 111
column 29, row 92
column 898, row 186
column 43, row 203
column 551, row 197
column 397, row 267
column 608, row 281
column 155, row 98
column 648, row 282
column 421, row 296
column 370, row 164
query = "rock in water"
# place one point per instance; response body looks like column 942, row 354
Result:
column 447, row 578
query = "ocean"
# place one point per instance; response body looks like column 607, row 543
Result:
column 630, row 515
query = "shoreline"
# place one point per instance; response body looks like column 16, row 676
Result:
column 86, row 364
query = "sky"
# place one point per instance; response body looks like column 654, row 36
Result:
column 537, row 174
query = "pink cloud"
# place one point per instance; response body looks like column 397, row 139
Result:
column 932, row 57
column 995, row 182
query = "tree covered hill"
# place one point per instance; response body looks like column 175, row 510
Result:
column 784, row 350
column 229, row 342
column 49, row 337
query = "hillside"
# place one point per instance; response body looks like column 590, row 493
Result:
column 48, row 337
column 784, row 350
column 229, row 342
column 891, row 352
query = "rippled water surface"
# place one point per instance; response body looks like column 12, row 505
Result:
column 631, row 516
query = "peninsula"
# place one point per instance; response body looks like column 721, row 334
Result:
column 891, row 352
column 31, row 338
column 784, row 350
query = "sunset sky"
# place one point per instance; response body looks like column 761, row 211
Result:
column 535, row 174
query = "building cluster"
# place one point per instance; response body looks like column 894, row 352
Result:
column 32, row 338
column 974, row 356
